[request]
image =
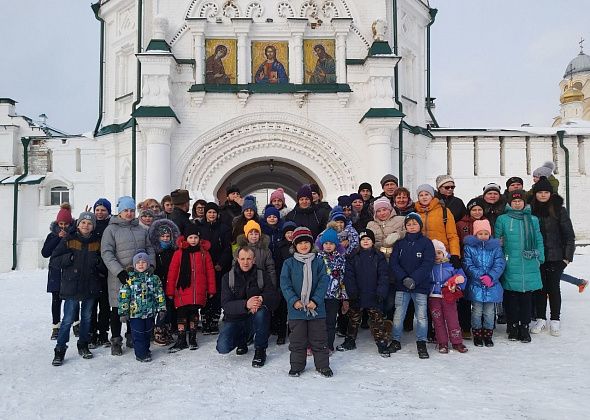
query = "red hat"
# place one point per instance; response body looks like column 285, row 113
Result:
column 65, row 214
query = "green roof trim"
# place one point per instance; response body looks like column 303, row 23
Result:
column 355, row 61
column 115, row 128
column 155, row 112
column 158, row 45
column 417, row 130
column 273, row 89
column 380, row 48
column 383, row 113
column 190, row 61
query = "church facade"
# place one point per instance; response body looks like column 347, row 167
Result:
column 201, row 94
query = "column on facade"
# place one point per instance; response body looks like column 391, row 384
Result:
column 156, row 133
column 380, row 142
column 341, row 28
column 297, row 26
column 241, row 28
column 197, row 29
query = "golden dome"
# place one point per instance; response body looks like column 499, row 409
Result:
column 571, row 94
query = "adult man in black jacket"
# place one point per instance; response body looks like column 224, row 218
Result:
column 180, row 215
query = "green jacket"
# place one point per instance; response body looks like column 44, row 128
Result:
column 142, row 296
column 520, row 274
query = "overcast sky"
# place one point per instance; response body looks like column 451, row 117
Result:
column 494, row 63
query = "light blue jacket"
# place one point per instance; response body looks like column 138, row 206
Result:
column 480, row 258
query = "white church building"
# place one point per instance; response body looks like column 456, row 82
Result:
column 200, row 94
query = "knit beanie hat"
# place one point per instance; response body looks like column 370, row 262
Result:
column 427, row 188
column 146, row 213
column 413, row 216
column 365, row 186
column 315, row 188
column 302, row 234
column 102, row 202
column 354, row 196
column 443, row 179
column 382, row 203
column 512, row 180
column 87, row 215
column 545, row 170
column 344, row 201
column 64, row 214
column 329, row 235
column 125, row 203
column 516, row 195
column 141, row 256
column 492, row 186
column 289, row 227
column 249, row 203
column 271, row 210
column 191, row 229
column 232, row 189
column 304, row 191
column 439, row 246
column 337, row 214
column 250, row 226
column 389, row 178
column 368, row 233
column 279, row 193
column 211, row 206
column 542, row 184
column 477, row 201
column 480, row 225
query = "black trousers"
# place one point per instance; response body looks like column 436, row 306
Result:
column 551, row 276
column 101, row 314
column 312, row 332
column 212, row 310
column 464, row 312
column 332, row 310
column 518, row 307
column 187, row 315
column 278, row 319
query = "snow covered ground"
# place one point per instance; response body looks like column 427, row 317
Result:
column 547, row 379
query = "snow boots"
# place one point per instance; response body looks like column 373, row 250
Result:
column 348, row 344
column 460, row 348
column 422, row 352
column 55, row 331
column 192, row 340
column 394, row 346
column 259, row 358
column 128, row 340
column 180, row 343
column 512, row 330
column 383, row 349
column 487, row 337
column 478, row 337
column 325, row 372
column 84, row 351
column 58, row 358
column 76, row 328
column 116, row 346
column 523, row 333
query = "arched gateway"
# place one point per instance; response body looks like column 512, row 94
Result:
column 241, row 150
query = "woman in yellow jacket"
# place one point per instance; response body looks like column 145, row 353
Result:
column 437, row 224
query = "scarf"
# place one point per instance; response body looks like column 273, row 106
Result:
column 185, row 275
column 306, row 259
column 530, row 250
column 165, row 244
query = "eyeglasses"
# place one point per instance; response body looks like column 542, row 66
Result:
column 449, row 187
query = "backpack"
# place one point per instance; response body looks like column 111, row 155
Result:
column 259, row 279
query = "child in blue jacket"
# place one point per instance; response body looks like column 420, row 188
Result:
column 304, row 283
column 411, row 264
column 484, row 264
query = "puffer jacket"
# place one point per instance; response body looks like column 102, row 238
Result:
column 202, row 273
column 347, row 234
column 480, row 258
column 54, row 272
column 366, row 278
column 441, row 273
column 435, row 228
column 163, row 256
column 142, row 296
column 121, row 240
column 559, row 238
column 335, row 264
column 413, row 257
column 82, row 269
column 521, row 274
column 383, row 229
column 262, row 255
column 313, row 218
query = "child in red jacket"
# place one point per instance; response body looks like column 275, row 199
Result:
column 191, row 280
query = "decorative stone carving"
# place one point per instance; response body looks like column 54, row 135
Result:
column 379, row 30
column 231, row 10
column 329, row 10
column 285, row 10
column 254, row 10
column 209, row 10
column 309, row 9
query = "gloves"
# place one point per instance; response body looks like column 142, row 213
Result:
column 123, row 319
column 409, row 283
column 123, row 276
column 486, row 280
column 391, row 238
column 455, row 261
column 161, row 316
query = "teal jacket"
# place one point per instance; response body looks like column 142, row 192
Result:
column 521, row 274
column 142, row 296
column 292, row 280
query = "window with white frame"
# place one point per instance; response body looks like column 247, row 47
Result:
column 59, row 195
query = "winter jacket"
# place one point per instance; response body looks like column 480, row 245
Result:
column 480, row 258
column 360, row 220
column 275, row 235
column 559, row 238
column 163, row 256
column 142, row 296
column 263, row 257
column 347, row 234
column 311, row 217
column 181, row 218
column 554, row 183
column 54, row 272
column 324, row 209
column 82, row 269
column 238, row 226
column 410, row 208
column 228, row 212
column 454, row 204
column 520, row 274
column 366, row 278
column 219, row 236
column 121, row 240
column 413, row 256
column 435, row 228
column 441, row 273
column 284, row 252
column 493, row 211
column 100, row 226
column 465, row 228
column 335, row 264
column 292, row 281
column 233, row 300
column 202, row 276
column 387, row 233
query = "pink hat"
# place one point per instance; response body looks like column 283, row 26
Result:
column 382, row 203
column 480, row 225
column 279, row 193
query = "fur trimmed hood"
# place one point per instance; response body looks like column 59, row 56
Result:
column 154, row 237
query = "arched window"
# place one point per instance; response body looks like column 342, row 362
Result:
column 59, row 195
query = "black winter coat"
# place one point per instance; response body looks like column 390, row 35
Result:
column 82, row 269
column 228, row 212
column 101, row 225
column 311, row 217
column 219, row 236
column 180, row 218
column 51, row 242
column 454, row 204
column 233, row 301
column 493, row 211
column 284, row 252
column 556, row 228
column 366, row 277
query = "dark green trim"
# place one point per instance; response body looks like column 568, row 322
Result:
column 383, row 113
column 137, row 100
column 7, row 101
column 158, row 45
column 355, row 61
column 190, row 61
column 380, row 48
column 429, row 98
column 33, row 182
column 416, row 129
column 25, row 141
column 115, row 128
column 400, row 133
column 266, row 88
column 560, row 135
column 155, row 112
column 127, row 95
column 95, row 8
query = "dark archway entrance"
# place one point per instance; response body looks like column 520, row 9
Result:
column 266, row 174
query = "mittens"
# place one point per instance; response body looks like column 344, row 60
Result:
column 409, row 283
column 391, row 238
column 455, row 261
column 486, row 280
column 123, row 276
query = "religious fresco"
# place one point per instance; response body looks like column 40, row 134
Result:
column 221, row 66
column 318, row 61
column 270, row 62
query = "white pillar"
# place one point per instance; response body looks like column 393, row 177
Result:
column 197, row 29
column 341, row 28
column 297, row 26
column 241, row 28
column 379, row 132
